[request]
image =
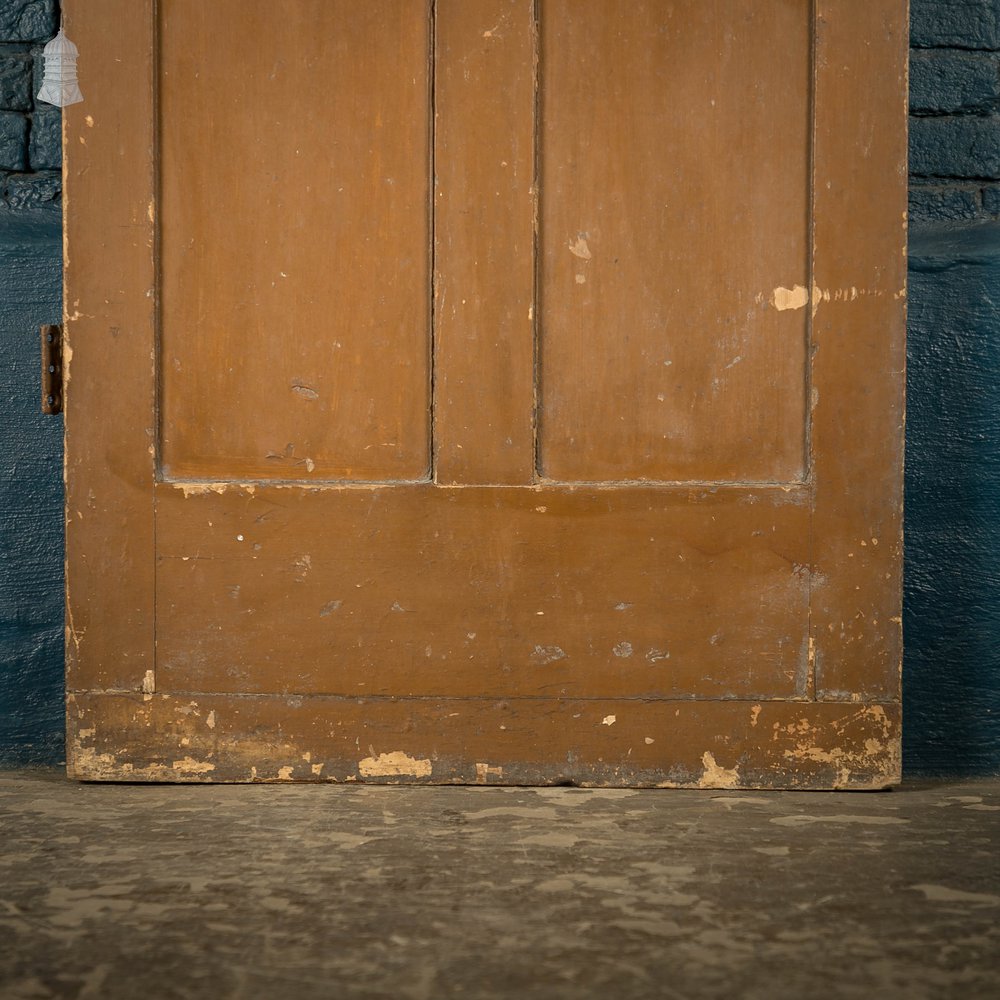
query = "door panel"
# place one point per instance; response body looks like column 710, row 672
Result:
column 399, row 498
column 673, row 335
column 294, row 240
column 480, row 592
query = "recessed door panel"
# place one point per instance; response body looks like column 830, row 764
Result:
column 294, row 237
column 675, row 240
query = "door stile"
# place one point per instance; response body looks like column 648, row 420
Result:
column 858, row 351
column 109, row 322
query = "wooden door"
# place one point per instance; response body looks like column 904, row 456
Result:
column 486, row 391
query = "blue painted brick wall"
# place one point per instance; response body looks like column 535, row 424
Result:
column 30, row 130
column 954, row 111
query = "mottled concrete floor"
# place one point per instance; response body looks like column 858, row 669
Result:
column 152, row 892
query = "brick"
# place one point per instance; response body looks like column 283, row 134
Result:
column 943, row 80
column 943, row 203
column 34, row 190
column 15, row 83
column 991, row 199
column 45, row 144
column 967, row 24
column 955, row 147
column 27, row 20
column 13, row 141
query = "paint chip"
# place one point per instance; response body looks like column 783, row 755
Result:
column 305, row 391
column 609, row 720
column 789, row 298
column 547, row 654
column 715, row 776
column 396, row 762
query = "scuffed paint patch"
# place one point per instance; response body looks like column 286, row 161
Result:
column 789, row 298
column 387, row 765
column 285, row 773
column 715, row 776
column 200, row 489
column 484, row 771
column 149, row 683
column 609, row 720
column 547, row 654
column 191, row 766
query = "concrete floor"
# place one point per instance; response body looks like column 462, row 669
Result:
column 278, row 892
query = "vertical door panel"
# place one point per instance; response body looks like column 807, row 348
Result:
column 674, row 233
column 294, row 161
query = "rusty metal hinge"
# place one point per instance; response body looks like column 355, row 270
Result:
column 52, row 362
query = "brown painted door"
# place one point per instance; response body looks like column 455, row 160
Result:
column 486, row 390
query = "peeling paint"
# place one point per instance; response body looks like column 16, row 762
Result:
column 149, row 683
column 716, row 776
column 789, row 298
column 305, row 391
column 547, row 654
column 484, row 771
column 200, row 489
column 191, row 766
column 396, row 762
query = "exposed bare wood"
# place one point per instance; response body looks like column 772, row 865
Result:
column 714, row 744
